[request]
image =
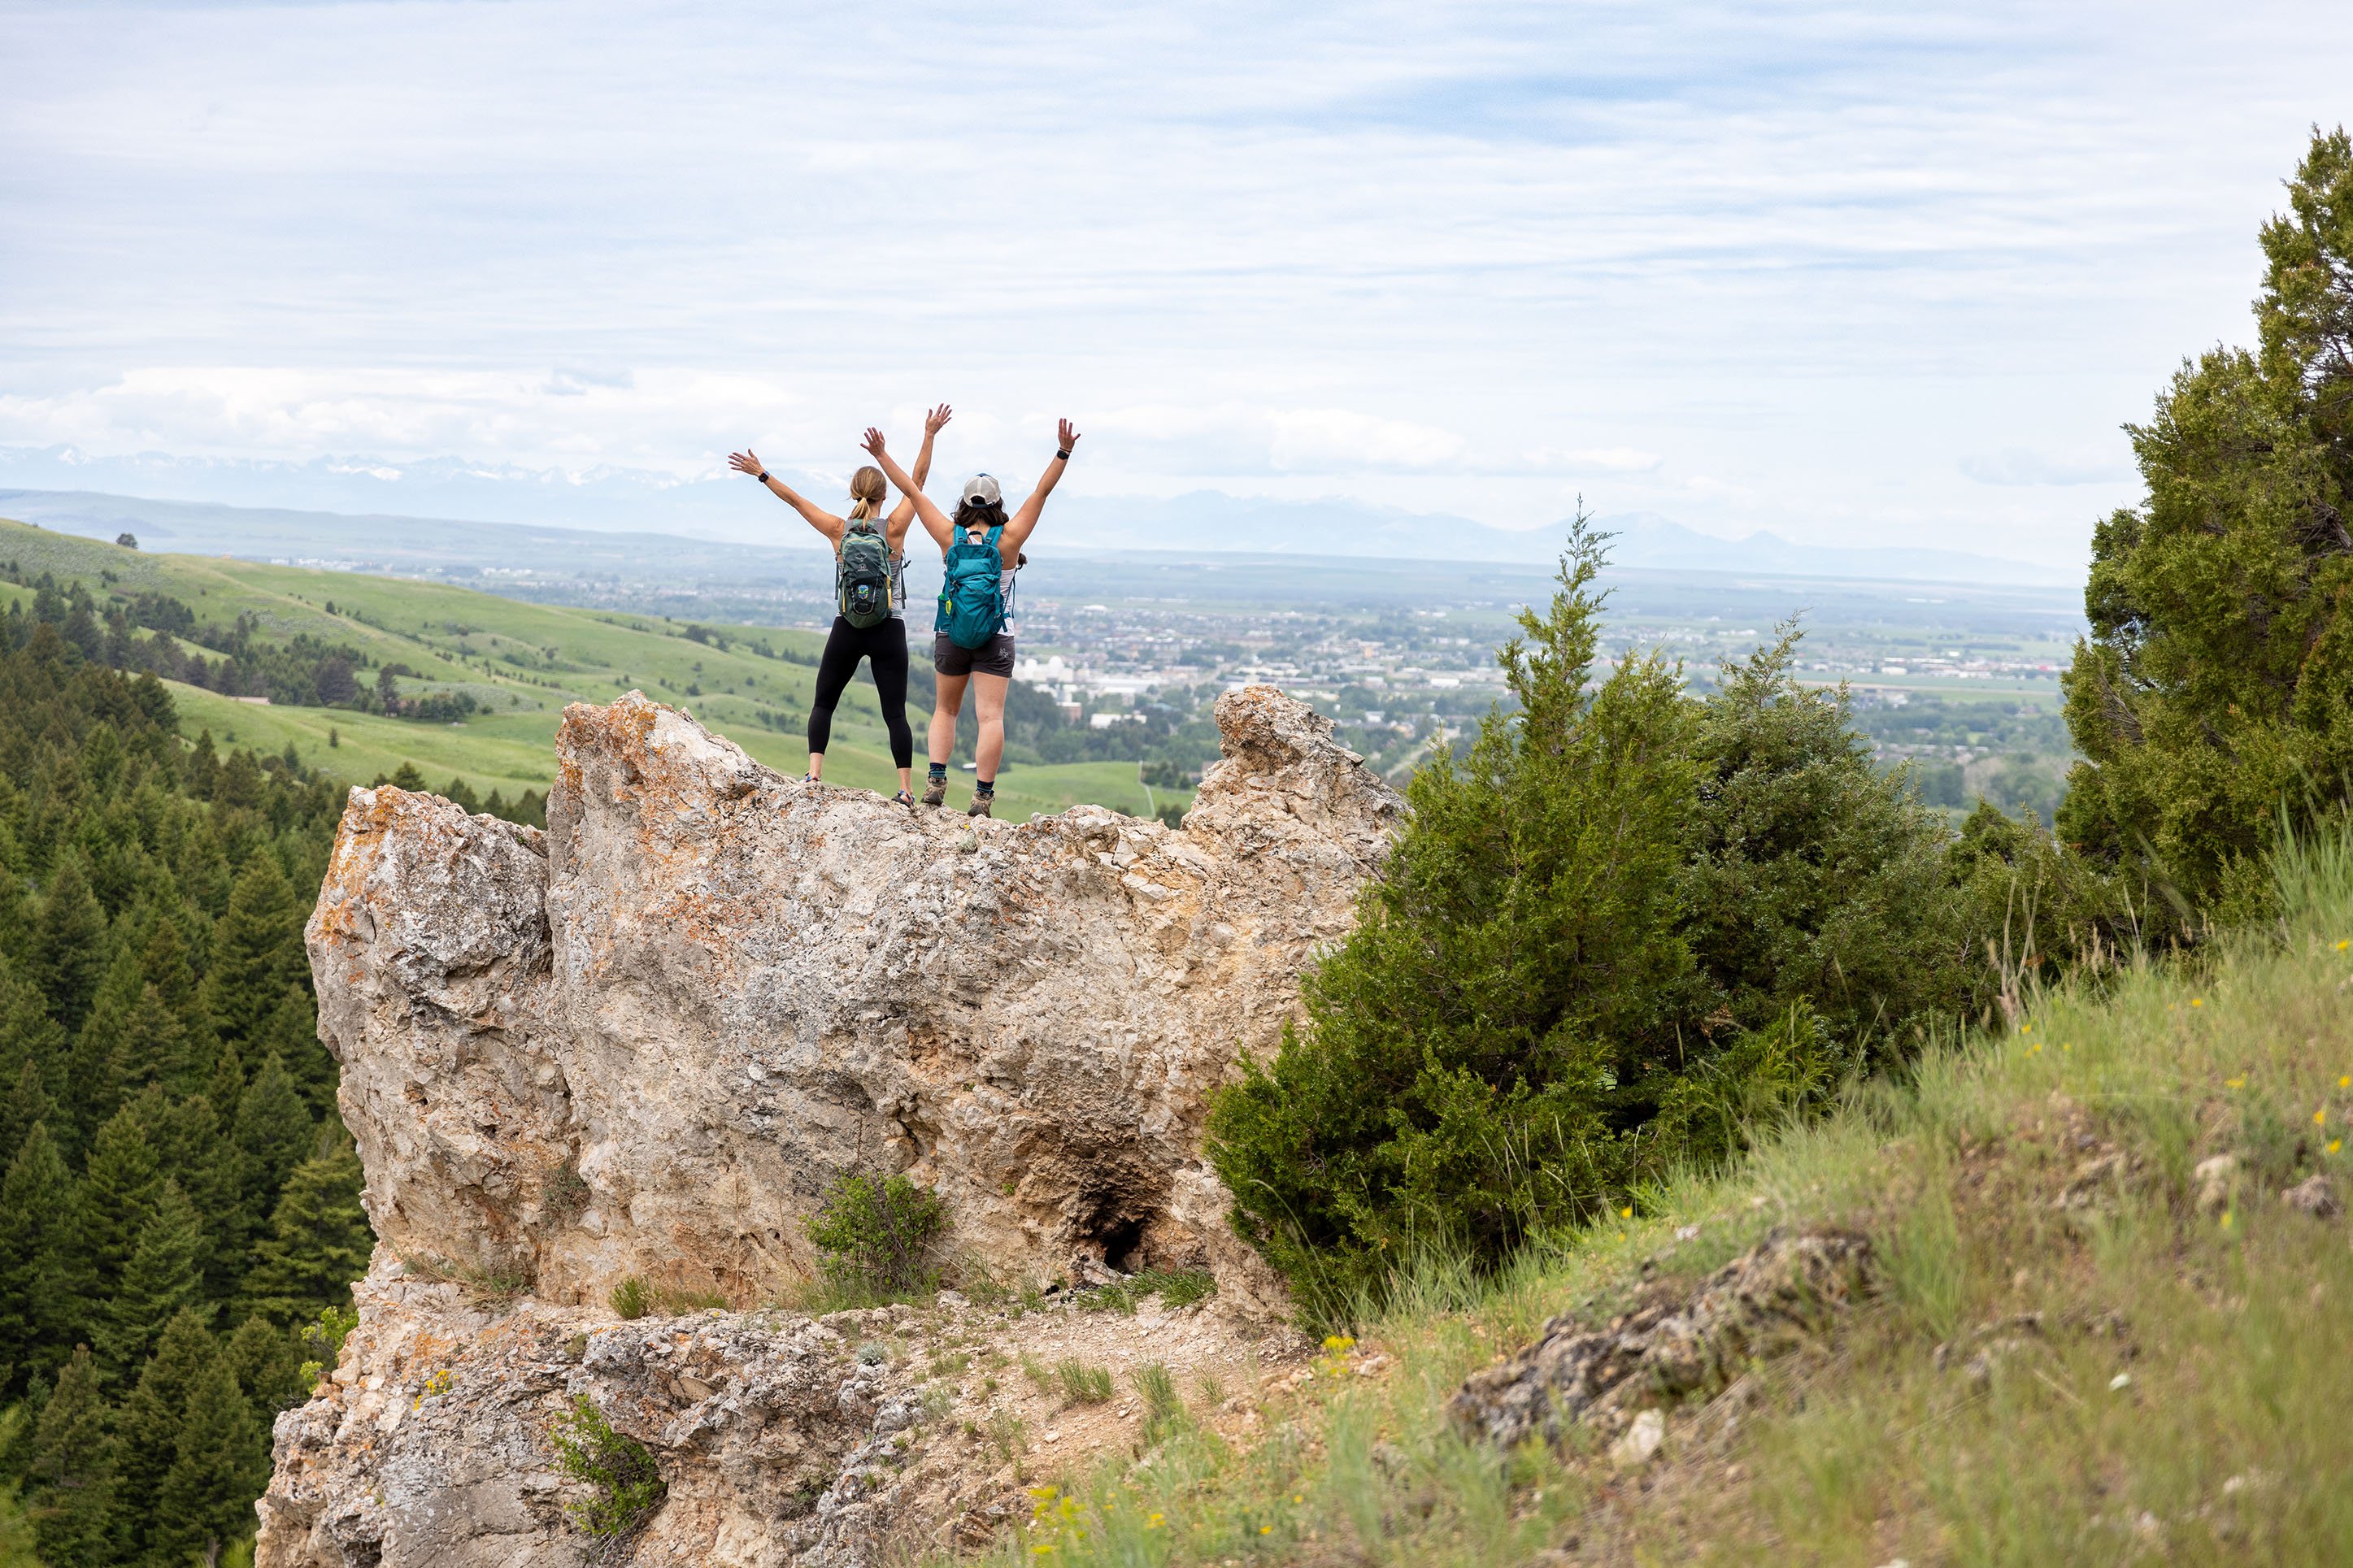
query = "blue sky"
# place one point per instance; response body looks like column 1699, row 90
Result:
column 1888, row 273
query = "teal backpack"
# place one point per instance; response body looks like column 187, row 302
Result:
column 972, row 595
column 861, row 575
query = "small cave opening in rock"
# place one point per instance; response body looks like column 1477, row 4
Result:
column 1111, row 1218
column 1120, row 1239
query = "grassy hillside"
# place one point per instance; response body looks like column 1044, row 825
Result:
column 2081, row 1348
column 521, row 663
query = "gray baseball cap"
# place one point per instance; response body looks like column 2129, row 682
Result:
column 981, row 491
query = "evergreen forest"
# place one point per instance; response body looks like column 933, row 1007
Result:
column 180, row 1214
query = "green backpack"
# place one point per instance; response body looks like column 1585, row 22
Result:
column 861, row 575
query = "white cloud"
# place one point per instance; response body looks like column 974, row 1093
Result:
column 2018, row 466
column 1462, row 256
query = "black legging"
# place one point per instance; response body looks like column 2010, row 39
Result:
column 886, row 645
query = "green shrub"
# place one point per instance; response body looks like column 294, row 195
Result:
column 1623, row 924
column 325, row 1334
column 624, row 1487
column 632, row 1297
column 880, row 1235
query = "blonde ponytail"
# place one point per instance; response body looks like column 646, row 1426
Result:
column 866, row 492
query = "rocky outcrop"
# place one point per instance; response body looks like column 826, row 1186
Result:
column 1765, row 1302
column 643, row 1043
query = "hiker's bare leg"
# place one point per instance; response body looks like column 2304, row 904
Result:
column 988, row 707
column 942, row 745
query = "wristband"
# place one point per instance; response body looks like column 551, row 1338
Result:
column 764, row 475
column 1064, row 454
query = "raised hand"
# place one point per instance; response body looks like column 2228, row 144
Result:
column 746, row 462
column 936, row 418
column 873, row 442
column 1068, row 437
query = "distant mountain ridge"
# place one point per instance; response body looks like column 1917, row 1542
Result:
column 377, row 507
column 1212, row 521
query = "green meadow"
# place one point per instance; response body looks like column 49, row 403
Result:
column 523, row 663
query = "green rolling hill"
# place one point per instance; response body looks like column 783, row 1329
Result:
column 521, row 664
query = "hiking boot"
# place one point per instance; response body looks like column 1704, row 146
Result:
column 937, row 792
column 982, row 805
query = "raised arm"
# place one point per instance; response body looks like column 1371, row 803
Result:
column 935, row 522
column 824, row 522
column 904, row 512
column 1016, row 532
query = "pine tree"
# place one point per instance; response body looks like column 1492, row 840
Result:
column 222, row 1464
column 92, row 1087
column 36, row 1210
column 75, row 1515
column 152, row 1047
column 148, row 1427
column 167, row 968
column 267, row 1360
column 256, row 952
column 318, row 1241
column 226, row 1089
column 28, row 1033
column 118, row 1189
column 202, row 767
column 163, row 1278
column 171, row 973
column 68, row 956
column 274, row 1132
column 24, row 1103
column 292, row 1035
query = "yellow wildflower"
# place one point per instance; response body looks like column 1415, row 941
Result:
column 1155, row 1521
column 2239, row 1082
column 2344, row 1080
column 2335, row 1145
column 1626, row 1213
column 2198, row 1001
column 2320, row 1117
column 2345, row 943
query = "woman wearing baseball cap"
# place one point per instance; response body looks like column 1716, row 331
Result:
column 972, row 640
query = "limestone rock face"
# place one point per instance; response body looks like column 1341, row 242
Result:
column 644, row 1041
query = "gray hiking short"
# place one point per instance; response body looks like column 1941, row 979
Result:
column 997, row 658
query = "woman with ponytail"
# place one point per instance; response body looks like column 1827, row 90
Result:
column 882, row 638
